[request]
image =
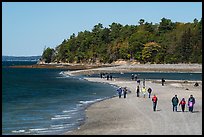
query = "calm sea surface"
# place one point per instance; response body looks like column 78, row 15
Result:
column 45, row 101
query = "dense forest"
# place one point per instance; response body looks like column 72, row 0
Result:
column 163, row 42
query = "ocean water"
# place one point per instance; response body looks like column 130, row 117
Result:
column 45, row 101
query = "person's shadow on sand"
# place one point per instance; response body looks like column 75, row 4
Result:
column 195, row 111
column 188, row 111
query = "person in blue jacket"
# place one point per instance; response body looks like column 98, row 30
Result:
column 119, row 90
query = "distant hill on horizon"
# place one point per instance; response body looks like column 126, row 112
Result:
column 20, row 58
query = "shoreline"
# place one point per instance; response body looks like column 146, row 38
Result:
column 98, row 123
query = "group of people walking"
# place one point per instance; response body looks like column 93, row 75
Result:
column 175, row 101
column 106, row 75
column 149, row 90
column 122, row 91
column 182, row 103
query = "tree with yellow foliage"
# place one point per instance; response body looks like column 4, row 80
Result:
column 150, row 52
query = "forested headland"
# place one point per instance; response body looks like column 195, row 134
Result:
column 160, row 43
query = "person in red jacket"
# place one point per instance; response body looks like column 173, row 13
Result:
column 154, row 100
column 183, row 104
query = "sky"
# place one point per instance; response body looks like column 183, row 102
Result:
column 29, row 27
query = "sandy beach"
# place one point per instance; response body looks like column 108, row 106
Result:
column 135, row 116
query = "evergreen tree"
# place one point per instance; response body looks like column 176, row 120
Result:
column 166, row 42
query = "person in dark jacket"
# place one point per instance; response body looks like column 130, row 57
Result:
column 163, row 80
column 183, row 104
column 149, row 90
column 111, row 77
column 191, row 102
column 175, row 102
column 125, row 92
column 138, row 91
column 107, row 76
column 138, row 81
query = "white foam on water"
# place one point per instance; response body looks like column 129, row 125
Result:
column 80, row 119
column 57, row 128
column 113, row 86
column 65, row 75
column 67, row 111
column 62, row 115
column 18, row 131
column 90, row 101
column 61, row 73
column 38, row 129
column 56, row 125
column 70, row 124
column 57, row 118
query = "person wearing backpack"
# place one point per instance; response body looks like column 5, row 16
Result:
column 175, row 102
column 154, row 100
column 191, row 102
column 183, row 104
